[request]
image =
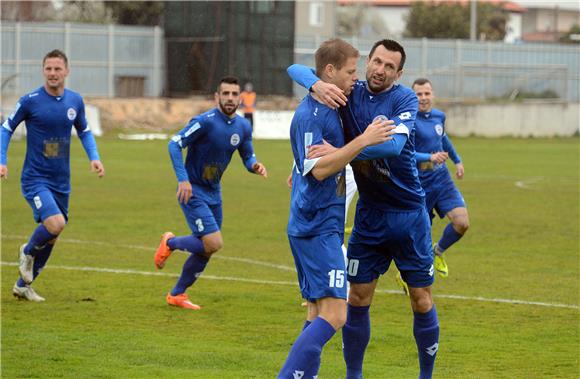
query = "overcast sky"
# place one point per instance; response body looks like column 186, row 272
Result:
column 563, row 4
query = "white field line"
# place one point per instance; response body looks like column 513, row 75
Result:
column 284, row 283
column 151, row 249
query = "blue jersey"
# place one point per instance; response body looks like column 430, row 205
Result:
column 431, row 138
column 210, row 138
column 386, row 183
column 316, row 207
column 49, row 122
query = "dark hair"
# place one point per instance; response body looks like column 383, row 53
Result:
column 421, row 81
column 228, row 80
column 56, row 54
column 390, row 45
column 335, row 52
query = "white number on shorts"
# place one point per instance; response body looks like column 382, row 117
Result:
column 352, row 267
column 37, row 202
column 199, row 224
column 336, row 278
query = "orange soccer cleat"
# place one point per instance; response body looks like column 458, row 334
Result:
column 163, row 251
column 182, row 301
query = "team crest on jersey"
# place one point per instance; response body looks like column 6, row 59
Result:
column 439, row 129
column 380, row 117
column 235, row 139
column 71, row 114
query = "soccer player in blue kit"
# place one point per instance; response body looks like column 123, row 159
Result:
column 391, row 222
column 316, row 222
column 433, row 149
column 210, row 139
column 50, row 113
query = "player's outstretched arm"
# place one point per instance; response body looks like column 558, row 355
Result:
column 97, row 166
column 377, row 132
column 330, row 95
column 260, row 169
column 3, row 171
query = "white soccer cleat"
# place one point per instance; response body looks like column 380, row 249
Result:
column 26, row 293
column 26, row 265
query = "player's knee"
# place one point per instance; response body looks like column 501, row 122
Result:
column 55, row 224
column 421, row 301
column 461, row 225
column 212, row 245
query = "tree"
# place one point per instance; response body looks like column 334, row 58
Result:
column 451, row 20
column 572, row 36
column 136, row 12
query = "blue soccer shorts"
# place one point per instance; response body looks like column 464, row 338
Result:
column 443, row 198
column 381, row 236
column 201, row 217
column 320, row 266
column 45, row 203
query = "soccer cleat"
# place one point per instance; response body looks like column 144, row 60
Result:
column 402, row 283
column 348, row 230
column 25, row 266
column 441, row 266
column 26, row 293
column 182, row 301
column 163, row 251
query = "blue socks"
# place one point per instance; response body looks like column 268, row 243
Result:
column 426, row 332
column 313, row 370
column 356, row 334
column 449, row 237
column 192, row 269
column 193, row 266
column 38, row 239
column 187, row 243
column 40, row 258
column 305, row 352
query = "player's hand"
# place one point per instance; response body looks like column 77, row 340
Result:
column 439, row 157
column 289, row 181
column 97, row 166
column 379, row 131
column 459, row 170
column 317, row 151
column 260, row 169
column 330, row 94
column 184, row 192
column 3, row 171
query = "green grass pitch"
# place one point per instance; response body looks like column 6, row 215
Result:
column 509, row 309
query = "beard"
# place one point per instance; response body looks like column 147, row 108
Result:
column 228, row 108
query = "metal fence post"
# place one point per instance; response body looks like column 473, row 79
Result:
column 17, row 47
column 458, row 73
column 156, row 62
column 424, row 57
column 111, row 62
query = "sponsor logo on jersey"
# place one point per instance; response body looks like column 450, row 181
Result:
column 431, row 270
column 405, row 116
column 439, row 129
column 71, row 113
column 315, row 111
column 235, row 139
column 380, row 117
column 33, row 94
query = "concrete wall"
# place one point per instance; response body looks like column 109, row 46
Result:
column 517, row 120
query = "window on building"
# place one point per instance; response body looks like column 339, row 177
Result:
column 316, row 13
